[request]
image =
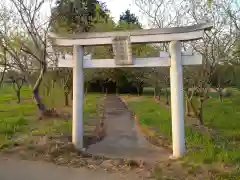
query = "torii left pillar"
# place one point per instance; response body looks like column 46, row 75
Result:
column 177, row 99
column 78, row 96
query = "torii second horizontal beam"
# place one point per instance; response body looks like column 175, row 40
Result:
column 88, row 63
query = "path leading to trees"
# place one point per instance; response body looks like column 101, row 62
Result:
column 16, row 169
column 122, row 139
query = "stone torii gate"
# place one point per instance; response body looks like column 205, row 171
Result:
column 121, row 41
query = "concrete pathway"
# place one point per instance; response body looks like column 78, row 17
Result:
column 16, row 169
column 122, row 138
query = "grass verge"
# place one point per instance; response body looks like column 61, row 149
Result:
column 221, row 148
column 18, row 120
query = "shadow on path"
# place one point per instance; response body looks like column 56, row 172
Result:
column 122, row 139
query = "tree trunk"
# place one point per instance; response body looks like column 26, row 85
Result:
column 86, row 89
column 53, row 84
column 167, row 96
column 102, row 89
column 47, row 90
column 220, row 95
column 159, row 95
column 191, row 105
column 106, row 90
column 154, row 93
column 200, row 112
column 18, row 96
column 38, row 100
column 3, row 74
column 36, row 96
column 72, row 94
column 117, row 90
column 138, row 91
column 66, row 99
column 187, row 106
column 29, row 83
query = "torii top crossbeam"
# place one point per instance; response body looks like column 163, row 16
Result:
column 157, row 35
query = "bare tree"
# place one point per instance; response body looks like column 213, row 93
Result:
column 3, row 65
column 30, row 39
column 89, row 76
column 137, row 76
column 17, row 82
column 216, row 46
column 159, row 78
column 65, row 75
column 153, row 79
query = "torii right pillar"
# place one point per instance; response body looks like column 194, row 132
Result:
column 177, row 100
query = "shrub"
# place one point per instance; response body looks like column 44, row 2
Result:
column 226, row 92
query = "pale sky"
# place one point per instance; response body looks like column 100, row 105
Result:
column 117, row 7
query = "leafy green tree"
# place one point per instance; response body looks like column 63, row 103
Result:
column 78, row 15
column 130, row 18
column 137, row 77
column 222, row 77
column 90, row 75
column 236, row 53
column 153, row 79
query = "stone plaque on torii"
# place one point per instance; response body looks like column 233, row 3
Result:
column 121, row 42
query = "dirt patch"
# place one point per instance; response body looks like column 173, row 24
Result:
column 28, row 100
column 131, row 98
column 53, row 113
column 14, row 101
column 59, row 150
column 163, row 104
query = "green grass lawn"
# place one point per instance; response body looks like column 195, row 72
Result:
column 15, row 118
column 64, row 126
column 19, row 119
column 202, row 148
